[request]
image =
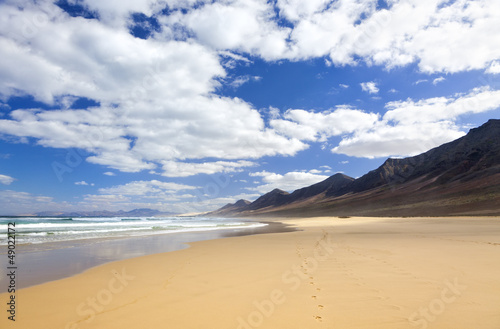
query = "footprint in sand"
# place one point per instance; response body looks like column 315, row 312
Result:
column 313, row 297
column 317, row 318
column 320, row 306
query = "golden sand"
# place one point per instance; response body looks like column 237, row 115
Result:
column 361, row 273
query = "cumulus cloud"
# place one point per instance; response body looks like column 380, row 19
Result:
column 83, row 183
column 6, row 180
column 406, row 32
column 386, row 140
column 181, row 169
column 318, row 126
column 157, row 101
column 288, row 182
column 399, row 132
column 145, row 188
column 370, row 87
column 412, row 127
column 239, row 25
column 478, row 100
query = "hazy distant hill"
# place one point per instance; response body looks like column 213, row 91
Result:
column 457, row 178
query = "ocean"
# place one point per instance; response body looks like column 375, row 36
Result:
column 37, row 230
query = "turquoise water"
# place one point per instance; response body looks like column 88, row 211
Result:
column 36, row 230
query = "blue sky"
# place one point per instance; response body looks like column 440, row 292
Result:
column 185, row 106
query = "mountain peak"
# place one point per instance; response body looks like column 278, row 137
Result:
column 278, row 191
column 241, row 203
column 273, row 198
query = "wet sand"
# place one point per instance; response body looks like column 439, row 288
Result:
column 40, row 263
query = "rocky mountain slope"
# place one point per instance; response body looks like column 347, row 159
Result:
column 457, row 178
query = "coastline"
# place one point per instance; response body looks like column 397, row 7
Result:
column 329, row 273
column 45, row 262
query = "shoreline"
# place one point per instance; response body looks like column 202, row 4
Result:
column 45, row 262
column 383, row 273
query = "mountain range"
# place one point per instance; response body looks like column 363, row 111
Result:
column 461, row 177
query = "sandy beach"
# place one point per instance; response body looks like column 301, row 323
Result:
column 330, row 273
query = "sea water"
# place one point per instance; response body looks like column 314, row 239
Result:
column 36, row 230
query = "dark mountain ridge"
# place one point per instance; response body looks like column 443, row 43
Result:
column 274, row 198
column 461, row 177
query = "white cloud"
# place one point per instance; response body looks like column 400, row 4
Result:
column 154, row 194
column 109, row 173
column 436, row 109
column 412, row 127
column 96, row 61
column 296, row 10
column 240, row 25
column 398, row 133
column 438, row 80
column 157, row 96
column 423, row 32
column 420, row 81
column 83, row 183
column 386, row 140
column 288, row 182
column 6, row 180
column 246, row 196
column 15, row 203
column 274, row 113
column 494, row 68
column 117, row 12
column 313, row 126
column 241, row 80
column 153, row 188
column 344, row 86
column 369, row 87
column 180, row 169
column 106, row 201
column 235, row 57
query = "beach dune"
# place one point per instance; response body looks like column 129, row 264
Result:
column 330, row 273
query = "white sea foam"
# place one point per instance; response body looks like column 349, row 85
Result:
column 35, row 230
